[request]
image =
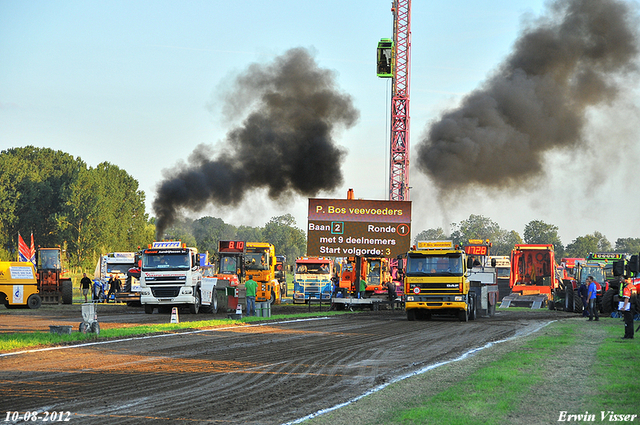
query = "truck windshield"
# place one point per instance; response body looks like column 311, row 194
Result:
column 313, row 268
column 442, row 265
column 121, row 268
column 49, row 259
column 595, row 271
column 165, row 261
column 228, row 264
column 256, row 261
column 503, row 273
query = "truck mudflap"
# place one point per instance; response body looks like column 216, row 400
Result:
column 517, row 300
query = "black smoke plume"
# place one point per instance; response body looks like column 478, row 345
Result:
column 284, row 143
column 583, row 53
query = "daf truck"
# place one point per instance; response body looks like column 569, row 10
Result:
column 441, row 279
column 170, row 275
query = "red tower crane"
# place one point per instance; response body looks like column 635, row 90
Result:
column 399, row 70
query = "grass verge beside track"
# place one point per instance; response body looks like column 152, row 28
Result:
column 19, row 341
column 571, row 366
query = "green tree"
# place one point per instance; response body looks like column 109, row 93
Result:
column 208, row 231
column 249, row 234
column 603, row 243
column 287, row 239
column 104, row 213
column 35, row 184
column 430, row 235
column 54, row 195
column 475, row 227
column 628, row 245
column 505, row 242
column 181, row 230
column 539, row 232
column 581, row 246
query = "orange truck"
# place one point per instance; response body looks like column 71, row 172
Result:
column 534, row 281
column 54, row 287
column 374, row 270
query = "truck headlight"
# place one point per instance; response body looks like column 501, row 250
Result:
column 187, row 290
column 410, row 298
column 458, row 298
column 145, row 292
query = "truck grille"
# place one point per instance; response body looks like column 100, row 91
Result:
column 166, row 292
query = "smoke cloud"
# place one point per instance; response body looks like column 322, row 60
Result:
column 583, row 53
column 284, row 144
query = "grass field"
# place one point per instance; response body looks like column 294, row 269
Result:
column 568, row 368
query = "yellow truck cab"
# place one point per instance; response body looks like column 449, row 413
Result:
column 435, row 280
column 260, row 264
column 18, row 285
column 441, row 278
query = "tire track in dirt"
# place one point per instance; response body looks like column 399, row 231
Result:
column 267, row 374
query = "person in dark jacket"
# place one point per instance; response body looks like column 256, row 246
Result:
column 391, row 291
column 85, row 285
column 583, row 292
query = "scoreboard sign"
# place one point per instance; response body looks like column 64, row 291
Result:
column 355, row 227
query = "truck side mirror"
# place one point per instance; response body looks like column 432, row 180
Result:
column 400, row 264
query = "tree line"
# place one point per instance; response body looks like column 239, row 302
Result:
column 92, row 211
column 63, row 202
column 89, row 211
column 535, row 232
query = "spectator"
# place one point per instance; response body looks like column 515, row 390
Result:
column 85, row 285
column 251, row 287
column 391, row 291
column 114, row 287
column 362, row 288
column 335, row 284
column 583, row 292
column 626, row 307
column 591, row 296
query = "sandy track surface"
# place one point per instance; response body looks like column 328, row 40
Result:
column 263, row 374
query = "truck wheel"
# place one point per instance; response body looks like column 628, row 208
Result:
column 411, row 315
column 568, row 299
column 214, row 302
column 84, row 327
column 491, row 311
column 34, row 301
column 213, row 307
column 95, row 328
column 607, row 302
column 472, row 308
column 67, row 291
column 273, row 298
column 148, row 308
column 195, row 307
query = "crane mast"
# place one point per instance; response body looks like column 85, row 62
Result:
column 399, row 167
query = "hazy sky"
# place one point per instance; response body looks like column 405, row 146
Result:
column 138, row 84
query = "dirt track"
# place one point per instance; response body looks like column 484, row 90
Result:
column 267, row 374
